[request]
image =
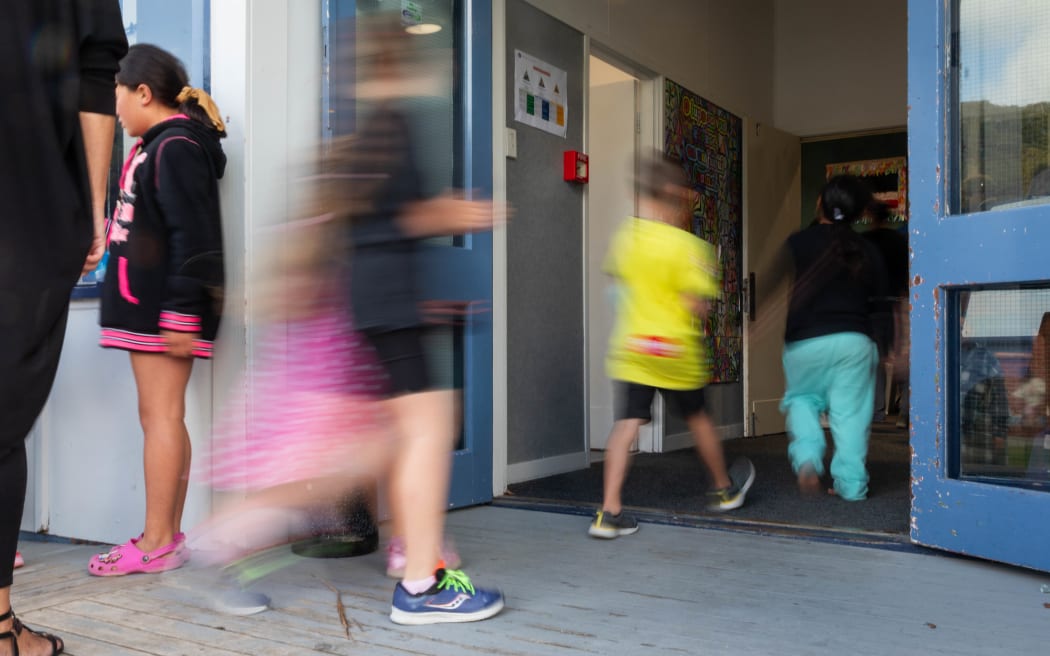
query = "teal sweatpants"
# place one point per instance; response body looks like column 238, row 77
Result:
column 833, row 374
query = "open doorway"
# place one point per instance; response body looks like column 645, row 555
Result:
column 667, row 480
column 613, row 144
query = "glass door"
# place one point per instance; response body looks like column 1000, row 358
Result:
column 449, row 110
column 979, row 154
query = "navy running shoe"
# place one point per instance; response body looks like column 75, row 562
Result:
column 451, row 599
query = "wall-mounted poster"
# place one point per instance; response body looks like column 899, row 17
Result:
column 888, row 178
column 708, row 141
column 540, row 94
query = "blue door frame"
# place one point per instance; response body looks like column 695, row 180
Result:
column 465, row 272
column 460, row 272
column 952, row 250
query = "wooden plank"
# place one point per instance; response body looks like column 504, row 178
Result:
column 667, row 589
column 105, row 625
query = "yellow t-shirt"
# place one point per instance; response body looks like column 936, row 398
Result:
column 656, row 340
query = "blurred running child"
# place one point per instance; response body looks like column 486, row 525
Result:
column 665, row 277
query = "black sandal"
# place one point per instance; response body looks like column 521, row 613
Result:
column 57, row 646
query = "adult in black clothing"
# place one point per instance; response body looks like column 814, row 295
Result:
column 893, row 246
column 56, row 134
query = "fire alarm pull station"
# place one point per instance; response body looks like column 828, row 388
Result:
column 575, row 166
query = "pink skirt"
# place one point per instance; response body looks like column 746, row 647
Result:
column 309, row 408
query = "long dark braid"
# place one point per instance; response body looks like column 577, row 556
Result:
column 843, row 200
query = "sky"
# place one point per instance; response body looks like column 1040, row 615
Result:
column 1005, row 51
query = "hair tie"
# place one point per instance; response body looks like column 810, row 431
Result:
column 837, row 214
column 205, row 102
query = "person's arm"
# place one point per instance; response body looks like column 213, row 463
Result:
column 185, row 195
column 450, row 214
column 97, row 131
column 102, row 45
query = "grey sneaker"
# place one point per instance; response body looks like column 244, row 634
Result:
column 608, row 526
column 742, row 477
column 241, row 602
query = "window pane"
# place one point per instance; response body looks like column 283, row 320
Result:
column 433, row 104
column 1003, row 365
column 181, row 28
column 1004, row 103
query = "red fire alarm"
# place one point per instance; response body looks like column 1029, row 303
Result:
column 575, row 166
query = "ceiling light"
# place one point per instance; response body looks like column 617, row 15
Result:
column 423, row 28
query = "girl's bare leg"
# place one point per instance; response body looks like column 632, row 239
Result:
column 272, row 516
column 161, row 381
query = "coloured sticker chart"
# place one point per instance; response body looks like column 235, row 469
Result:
column 540, row 99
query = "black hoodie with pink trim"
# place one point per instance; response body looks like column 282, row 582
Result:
column 165, row 268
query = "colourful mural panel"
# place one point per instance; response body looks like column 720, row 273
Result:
column 708, row 141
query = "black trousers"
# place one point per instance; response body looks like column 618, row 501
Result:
column 12, row 498
column 32, row 329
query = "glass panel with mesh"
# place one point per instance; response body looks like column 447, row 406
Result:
column 999, row 65
column 1003, row 364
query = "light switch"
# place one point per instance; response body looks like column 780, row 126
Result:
column 510, row 142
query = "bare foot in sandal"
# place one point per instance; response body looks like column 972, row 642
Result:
column 16, row 638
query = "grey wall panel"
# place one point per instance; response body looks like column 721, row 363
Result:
column 546, row 402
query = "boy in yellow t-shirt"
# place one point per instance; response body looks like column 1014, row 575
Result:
column 665, row 276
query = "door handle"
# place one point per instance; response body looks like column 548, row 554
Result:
column 750, row 289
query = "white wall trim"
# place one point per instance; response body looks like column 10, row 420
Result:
column 747, row 124
column 685, row 440
column 533, row 469
column 585, row 250
column 500, row 468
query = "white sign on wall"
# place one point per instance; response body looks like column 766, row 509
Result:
column 540, row 94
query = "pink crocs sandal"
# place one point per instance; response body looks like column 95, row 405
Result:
column 19, row 561
column 127, row 558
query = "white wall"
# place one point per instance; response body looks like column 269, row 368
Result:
column 86, row 477
column 840, row 65
column 807, row 67
column 720, row 50
column 86, row 450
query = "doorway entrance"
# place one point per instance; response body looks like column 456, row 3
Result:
column 667, row 481
column 612, row 142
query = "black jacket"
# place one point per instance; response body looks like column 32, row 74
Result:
column 165, row 268
column 826, row 297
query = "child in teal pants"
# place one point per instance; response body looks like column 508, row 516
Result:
column 834, row 374
column 830, row 358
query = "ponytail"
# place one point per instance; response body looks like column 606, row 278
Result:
column 843, row 200
column 198, row 105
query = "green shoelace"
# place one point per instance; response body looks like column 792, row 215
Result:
column 456, row 580
column 255, row 566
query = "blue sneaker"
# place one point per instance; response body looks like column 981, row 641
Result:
column 452, row 599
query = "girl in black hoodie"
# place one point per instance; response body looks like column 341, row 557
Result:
column 161, row 299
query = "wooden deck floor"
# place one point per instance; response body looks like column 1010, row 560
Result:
column 665, row 590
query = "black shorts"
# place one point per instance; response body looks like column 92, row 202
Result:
column 635, row 401
column 403, row 356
